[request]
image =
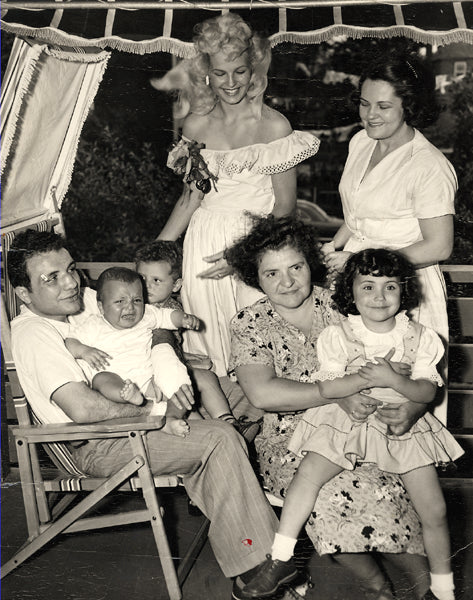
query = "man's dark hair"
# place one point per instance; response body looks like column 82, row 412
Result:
column 270, row 233
column 27, row 244
column 162, row 250
column 379, row 263
column 116, row 274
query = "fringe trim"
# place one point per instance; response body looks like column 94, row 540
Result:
column 73, row 150
column 416, row 34
column 26, row 79
column 186, row 49
column 78, row 55
column 57, row 37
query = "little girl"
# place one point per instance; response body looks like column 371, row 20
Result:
column 374, row 292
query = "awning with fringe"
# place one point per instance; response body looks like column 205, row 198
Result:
column 145, row 27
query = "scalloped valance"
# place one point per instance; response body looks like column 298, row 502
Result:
column 153, row 26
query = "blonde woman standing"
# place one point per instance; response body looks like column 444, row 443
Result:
column 250, row 151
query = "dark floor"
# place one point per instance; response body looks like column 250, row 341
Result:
column 122, row 564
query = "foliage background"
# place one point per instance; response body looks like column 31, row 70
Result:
column 121, row 193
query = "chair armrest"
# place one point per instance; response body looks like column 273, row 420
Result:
column 66, row 432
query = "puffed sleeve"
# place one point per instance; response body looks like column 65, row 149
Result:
column 332, row 354
column 434, row 185
column 429, row 353
column 249, row 345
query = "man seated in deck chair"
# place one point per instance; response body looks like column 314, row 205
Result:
column 212, row 457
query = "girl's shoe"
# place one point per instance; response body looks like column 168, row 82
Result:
column 269, row 577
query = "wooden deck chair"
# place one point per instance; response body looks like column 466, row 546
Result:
column 48, row 501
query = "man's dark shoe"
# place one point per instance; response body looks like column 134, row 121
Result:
column 269, row 577
column 240, row 581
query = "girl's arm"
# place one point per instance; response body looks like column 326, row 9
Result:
column 437, row 243
column 383, row 375
column 185, row 207
column 265, row 390
column 94, row 357
column 343, row 386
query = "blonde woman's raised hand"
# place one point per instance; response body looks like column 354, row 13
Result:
column 219, row 269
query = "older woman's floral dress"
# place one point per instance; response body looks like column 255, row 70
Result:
column 358, row 511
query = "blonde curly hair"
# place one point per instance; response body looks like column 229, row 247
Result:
column 226, row 34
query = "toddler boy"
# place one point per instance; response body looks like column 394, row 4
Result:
column 160, row 265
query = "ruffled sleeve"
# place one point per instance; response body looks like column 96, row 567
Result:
column 267, row 159
column 332, row 354
column 429, row 353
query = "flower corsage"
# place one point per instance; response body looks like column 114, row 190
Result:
column 185, row 159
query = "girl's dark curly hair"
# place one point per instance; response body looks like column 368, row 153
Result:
column 413, row 83
column 270, row 233
column 380, row 263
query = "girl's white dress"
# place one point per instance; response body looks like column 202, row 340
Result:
column 382, row 210
column 328, row 430
column 243, row 188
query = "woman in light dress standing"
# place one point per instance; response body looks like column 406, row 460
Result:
column 252, row 152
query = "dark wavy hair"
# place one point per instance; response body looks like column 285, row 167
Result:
column 26, row 245
column 162, row 251
column 413, row 83
column 270, row 233
column 379, row 263
column 116, row 274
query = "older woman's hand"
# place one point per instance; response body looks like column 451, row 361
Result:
column 220, row 268
column 401, row 417
column 335, row 261
column 359, row 406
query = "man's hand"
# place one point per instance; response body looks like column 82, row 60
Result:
column 94, row 357
column 401, row 417
column 359, row 406
column 183, row 398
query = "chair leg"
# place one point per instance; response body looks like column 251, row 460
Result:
column 75, row 513
column 193, row 552
column 28, row 487
column 156, row 520
column 41, row 498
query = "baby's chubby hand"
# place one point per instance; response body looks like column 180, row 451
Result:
column 191, row 322
column 97, row 359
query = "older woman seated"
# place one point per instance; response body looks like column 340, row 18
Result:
column 273, row 355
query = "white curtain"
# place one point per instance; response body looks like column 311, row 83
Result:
column 46, row 96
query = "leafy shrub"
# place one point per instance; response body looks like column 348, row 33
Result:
column 119, row 198
column 461, row 98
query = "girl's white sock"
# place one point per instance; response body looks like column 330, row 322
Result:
column 442, row 585
column 283, row 547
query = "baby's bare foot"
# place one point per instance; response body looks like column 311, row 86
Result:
column 178, row 427
column 130, row 393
